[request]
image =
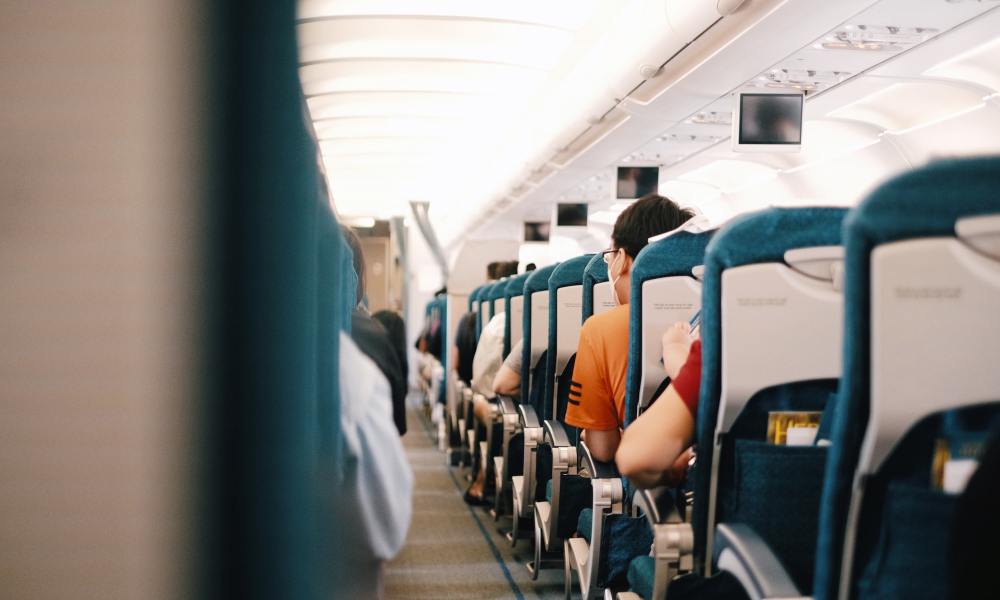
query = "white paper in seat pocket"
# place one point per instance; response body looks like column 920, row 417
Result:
column 801, row 436
column 957, row 473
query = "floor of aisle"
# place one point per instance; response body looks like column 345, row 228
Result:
column 453, row 550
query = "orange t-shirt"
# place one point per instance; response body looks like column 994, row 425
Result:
column 597, row 392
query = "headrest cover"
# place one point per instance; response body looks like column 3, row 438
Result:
column 668, row 257
column 538, row 280
column 569, row 272
column 515, row 285
column 498, row 290
column 595, row 272
column 474, row 297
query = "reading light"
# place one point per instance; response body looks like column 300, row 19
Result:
column 876, row 38
column 804, row 79
column 712, row 118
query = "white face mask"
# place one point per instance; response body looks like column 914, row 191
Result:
column 614, row 282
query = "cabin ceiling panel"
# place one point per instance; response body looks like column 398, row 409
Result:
column 427, row 99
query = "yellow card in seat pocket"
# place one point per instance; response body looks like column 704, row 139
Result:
column 792, row 427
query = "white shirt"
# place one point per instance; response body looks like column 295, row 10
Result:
column 378, row 482
column 489, row 356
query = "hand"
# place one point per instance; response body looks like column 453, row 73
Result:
column 675, row 476
column 678, row 333
column 677, row 342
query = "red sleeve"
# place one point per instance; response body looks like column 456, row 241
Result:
column 687, row 384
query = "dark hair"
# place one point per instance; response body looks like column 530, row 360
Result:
column 396, row 329
column 506, row 269
column 530, row 267
column 501, row 268
column 648, row 216
column 359, row 259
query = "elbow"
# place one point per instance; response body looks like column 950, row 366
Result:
column 626, row 461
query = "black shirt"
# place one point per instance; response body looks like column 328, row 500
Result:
column 465, row 341
column 372, row 338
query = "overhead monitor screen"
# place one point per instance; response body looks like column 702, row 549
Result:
column 536, row 231
column 571, row 215
column 636, row 182
column 770, row 119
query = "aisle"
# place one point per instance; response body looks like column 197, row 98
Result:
column 453, row 551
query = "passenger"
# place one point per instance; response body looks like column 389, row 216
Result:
column 508, row 379
column 597, row 394
column 373, row 339
column 486, row 363
column 375, row 490
column 396, row 328
column 655, row 449
column 464, row 348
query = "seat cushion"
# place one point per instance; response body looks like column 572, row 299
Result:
column 640, row 575
column 585, row 523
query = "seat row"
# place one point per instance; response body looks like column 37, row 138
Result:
column 848, row 385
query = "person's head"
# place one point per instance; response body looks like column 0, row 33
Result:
column 530, row 267
column 506, row 269
column 491, row 271
column 359, row 260
column 648, row 216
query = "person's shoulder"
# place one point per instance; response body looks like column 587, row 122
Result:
column 612, row 320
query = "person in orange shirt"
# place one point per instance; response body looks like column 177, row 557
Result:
column 597, row 390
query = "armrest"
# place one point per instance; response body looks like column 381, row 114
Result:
column 739, row 550
column 556, row 434
column 598, row 469
column 529, row 418
column 507, row 405
column 658, row 504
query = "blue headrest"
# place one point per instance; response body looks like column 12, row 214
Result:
column 567, row 273
column 757, row 237
column 498, row 290
column 922, row 203
column 670, row 257
column 474, row 296
column 481, row 318
column 348, row 281
column 595, row 272
column 484, row 292
column 538, row 280
column 514, row 287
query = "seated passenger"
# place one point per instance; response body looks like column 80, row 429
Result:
column 375, row 490
column 372, row 338
column 464, row 348
column 508, row 378
column 488, row 361
column 597, row 395
column 655, row 449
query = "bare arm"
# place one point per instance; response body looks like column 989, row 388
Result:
column 603, row 444
column 507, row 381
column 653, row 444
